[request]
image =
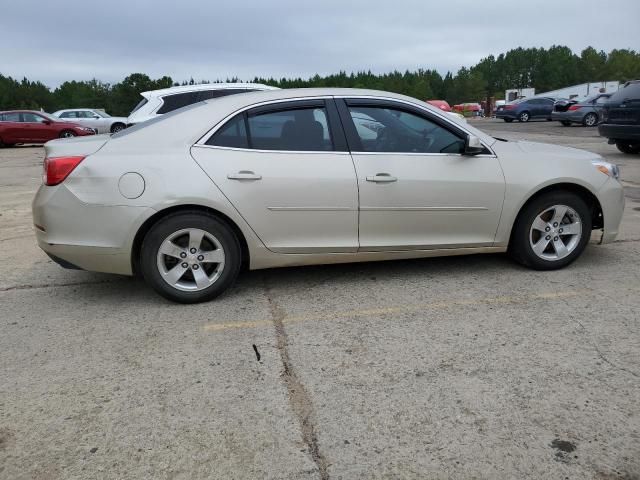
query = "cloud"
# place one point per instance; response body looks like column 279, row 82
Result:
column 284, row 38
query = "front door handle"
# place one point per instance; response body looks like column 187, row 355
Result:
column 244, row 175
column 381, row 178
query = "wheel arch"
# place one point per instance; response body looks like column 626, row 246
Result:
column 118, row 122
column 153, row 219
column 597, row 219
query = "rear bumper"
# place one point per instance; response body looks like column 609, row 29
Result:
column 619, row 132
column 90, row 237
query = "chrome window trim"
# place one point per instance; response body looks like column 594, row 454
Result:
column 201, row 142
column 325, row 152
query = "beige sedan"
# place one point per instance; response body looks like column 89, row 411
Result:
column 310, row 176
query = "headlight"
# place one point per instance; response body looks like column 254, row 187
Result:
column 607, row 168
column 88, row 129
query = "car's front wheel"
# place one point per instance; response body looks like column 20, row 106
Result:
column 523, row 117
column 628, row 147
column 190, row 257
column 551, row 231
column 117, row 127
column 67, row 134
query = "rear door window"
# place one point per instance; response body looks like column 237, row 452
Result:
column 11, row 117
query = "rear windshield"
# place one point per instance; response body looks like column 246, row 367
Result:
column 629, row 92
column 159, row 118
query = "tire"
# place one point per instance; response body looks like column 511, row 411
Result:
column 117, row 127
column 67, row 134
column 174, row 233
column 628, row 147
column 524, row 117
column 590, row 120
column 565, row 123
column 527, row 239
column 508, row 120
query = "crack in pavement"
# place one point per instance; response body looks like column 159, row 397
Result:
column 49, row 285
column 299, row 398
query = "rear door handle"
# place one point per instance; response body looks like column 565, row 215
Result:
column 381, row 178
column 244, row 175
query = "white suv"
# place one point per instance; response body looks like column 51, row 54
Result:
column 158, row 102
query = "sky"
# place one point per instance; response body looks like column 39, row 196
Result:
column 54, row 41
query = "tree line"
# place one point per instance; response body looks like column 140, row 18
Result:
column 543, row 69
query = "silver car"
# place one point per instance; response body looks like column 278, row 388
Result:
column 100, row 121
column 311, row 176
column 587, row 112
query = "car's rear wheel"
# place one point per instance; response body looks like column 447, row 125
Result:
column 117, row 127
column 590, row 120
column 628, row 147
column 566, row 123
column 551, row 231
column 524, row 117
column 190, row 257
column 67, row 134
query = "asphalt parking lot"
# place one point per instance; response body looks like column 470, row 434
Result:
column 448, row 368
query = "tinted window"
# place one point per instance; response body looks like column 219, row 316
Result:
column 177, row 100
column 32, row 118
column 209, row 94
column 389, row 130
column 68, row 115
column 629, row 92
column 10, row 117
column 140, row 104
column 232, row 134
column 304, row 129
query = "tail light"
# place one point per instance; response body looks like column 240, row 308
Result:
column 56, row 169
column 509, row 107
column 573, row 108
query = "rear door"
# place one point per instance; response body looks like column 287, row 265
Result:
column 417, row 191
column 12, row 131
column 285, row 167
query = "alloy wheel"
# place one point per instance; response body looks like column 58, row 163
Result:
column 190, row 259
column 555, row 233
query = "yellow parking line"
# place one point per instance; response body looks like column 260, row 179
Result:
column 217, row 327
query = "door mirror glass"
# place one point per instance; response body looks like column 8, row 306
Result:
column 473, row 146
column 96, row 117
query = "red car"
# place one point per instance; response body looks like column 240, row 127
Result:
column 25, row 126
column 441, row 104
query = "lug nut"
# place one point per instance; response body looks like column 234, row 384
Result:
column 185, row 265
column 547, row 229
column 560, row 230
column 555, row 239
column 193, row 250
column 200, row 258
column 555, row 224
column 183, row 255
column 195, row 267
column 548, row 237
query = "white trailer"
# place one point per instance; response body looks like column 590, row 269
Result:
column 517, row 93
column 584, row 90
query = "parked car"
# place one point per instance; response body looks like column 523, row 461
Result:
column 310, row 176
column 526, row 109
column 441, row 104
column 159, row 102
column 26, row 126
column 621, row 118
column 99, row 121
column 587, row 112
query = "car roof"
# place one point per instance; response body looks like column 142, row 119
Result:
column 22, row 111
column 206, row 86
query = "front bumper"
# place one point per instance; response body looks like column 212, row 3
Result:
column 572, row 116
column 611, row 197
column 619, row 132
column 98, row 238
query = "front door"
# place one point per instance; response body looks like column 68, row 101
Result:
column 417, row 189
column 286, row 169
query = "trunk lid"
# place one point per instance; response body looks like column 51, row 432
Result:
column 78, row 146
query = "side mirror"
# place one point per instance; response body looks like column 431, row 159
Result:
column 473, row 145
column 47, row 122
column 96, row 117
